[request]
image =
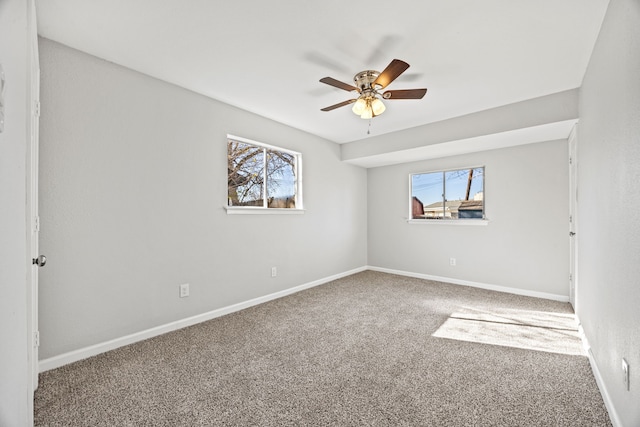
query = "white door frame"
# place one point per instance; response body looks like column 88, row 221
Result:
column 573, row 215
column 32, row 197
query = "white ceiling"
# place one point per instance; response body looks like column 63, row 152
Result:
column 267, row 56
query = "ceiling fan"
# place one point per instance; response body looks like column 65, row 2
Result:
column 369, row 103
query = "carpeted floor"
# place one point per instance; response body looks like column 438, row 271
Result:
column 368, row 349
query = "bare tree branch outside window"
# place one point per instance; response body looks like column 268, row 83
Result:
column 260, row 176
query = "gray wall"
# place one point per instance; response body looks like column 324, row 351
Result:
column 15, row 400
column 531, row 113
column 525, row 244
column 132, row 188
column 608, row 294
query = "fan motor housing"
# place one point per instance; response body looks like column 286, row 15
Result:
column 364, row 80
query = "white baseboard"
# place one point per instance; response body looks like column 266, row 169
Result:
column 83, row 353
column 608, row 402
column 555, row 297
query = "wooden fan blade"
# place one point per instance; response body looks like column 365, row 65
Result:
column 337, row 83
column 342, row 104
column 393, row 70
column 404, row 94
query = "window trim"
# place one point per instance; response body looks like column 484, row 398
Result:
column 464, row 221
column 262, row 210
column 456, row 222
column 256, row 210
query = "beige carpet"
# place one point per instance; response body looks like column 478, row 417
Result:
column 368, row 349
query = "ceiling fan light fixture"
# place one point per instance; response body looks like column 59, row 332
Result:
column 368, row 106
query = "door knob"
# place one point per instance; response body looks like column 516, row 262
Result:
column 40, row 261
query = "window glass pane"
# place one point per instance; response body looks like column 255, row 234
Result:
column 426, row 194
column 454, row 194
column 281, row 180
column 245, row 164
column 472, row 206
column 455, row 187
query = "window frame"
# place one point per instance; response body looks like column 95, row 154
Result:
column 449, row 221
column 262, row 210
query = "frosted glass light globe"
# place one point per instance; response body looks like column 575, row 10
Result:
column 378, row 107
column 359, row 106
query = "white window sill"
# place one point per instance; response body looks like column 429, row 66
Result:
column 245, row 210
column 449, row 221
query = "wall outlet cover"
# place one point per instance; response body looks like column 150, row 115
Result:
column 1, row 98
column 625, row 373
column 184, row 290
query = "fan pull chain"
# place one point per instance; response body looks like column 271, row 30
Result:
column 369, row 128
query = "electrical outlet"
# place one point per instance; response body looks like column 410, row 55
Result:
column 184, row 290
column 625, row 373
column 274, row 271
column 452, row 262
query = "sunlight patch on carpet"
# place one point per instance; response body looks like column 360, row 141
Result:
column 531, row 330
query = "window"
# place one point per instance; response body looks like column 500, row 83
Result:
column 262, row 176
column 453, row 194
